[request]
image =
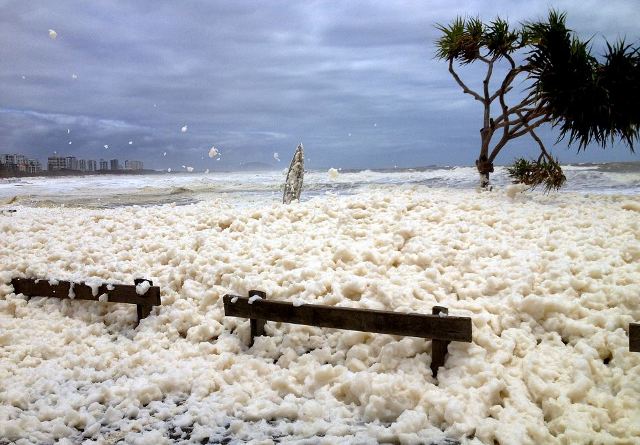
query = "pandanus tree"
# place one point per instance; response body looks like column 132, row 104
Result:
column 559, row 83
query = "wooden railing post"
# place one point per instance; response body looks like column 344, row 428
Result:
column 257, row 324
column 143, row 309
column 438, row 347
column 634, row 337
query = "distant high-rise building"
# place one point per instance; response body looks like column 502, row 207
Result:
column 72, row 163
column 56, row 163
column 115, row 165
column 16, row 159
column 8, row 163
column 104, row 165
column 33, row 166
column 91, row 165
column 82, row 165
column 18, row 163
column 6, row 158
column 133, row 165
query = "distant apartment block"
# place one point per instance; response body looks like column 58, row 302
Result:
column 16, row 159
column 133, row 165
column 16, row 162
column 33, row 166
column 72, row 163
column 56, row 163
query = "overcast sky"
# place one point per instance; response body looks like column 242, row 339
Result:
column 355, row 81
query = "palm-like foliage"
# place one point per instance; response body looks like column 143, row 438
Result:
column 587, row 100
column 466, row 39
column 534, row 173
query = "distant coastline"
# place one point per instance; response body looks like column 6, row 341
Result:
column 66, row 172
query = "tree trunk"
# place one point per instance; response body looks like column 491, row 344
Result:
column 485, row 167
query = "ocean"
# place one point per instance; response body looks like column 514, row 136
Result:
column 257, row 188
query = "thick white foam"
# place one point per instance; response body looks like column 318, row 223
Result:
column 551, row 283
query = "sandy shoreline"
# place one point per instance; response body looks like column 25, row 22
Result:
column 551, row 283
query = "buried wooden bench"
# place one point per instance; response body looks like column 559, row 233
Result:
column 116, row 293
column 634, row 337
column 438, row 326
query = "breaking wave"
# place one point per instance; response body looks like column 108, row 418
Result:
column 258, row 187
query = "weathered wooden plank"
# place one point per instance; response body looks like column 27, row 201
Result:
column 367, row 320
column 120, row 293
column 634, row 337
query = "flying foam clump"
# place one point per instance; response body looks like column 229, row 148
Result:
column 184, row 129
column 333, row 173
column 52, row 34
column 213, row 152
column 276, row 156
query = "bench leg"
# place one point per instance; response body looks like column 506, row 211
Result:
column 257, row 324
column 438, row 351
column 143, row 311
column 438, row 347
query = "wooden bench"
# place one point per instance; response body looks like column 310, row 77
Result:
column 116, row 293
column 634, row 337
column 438, row 326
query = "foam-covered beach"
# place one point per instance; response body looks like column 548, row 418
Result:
column 551, row 283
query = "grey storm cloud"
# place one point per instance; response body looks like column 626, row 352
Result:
column 355, row 81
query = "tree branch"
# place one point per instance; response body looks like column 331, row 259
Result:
column 504, row 88
column 497, row 93
column 511, row 62
column 516, row 134
column 543, row 150
column 461, row 83
column 487, row 102
column 516, row 110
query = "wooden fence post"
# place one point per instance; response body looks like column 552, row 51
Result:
column 257, row 324
column 143, row 309
column 438, row 347
column 634, row 337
